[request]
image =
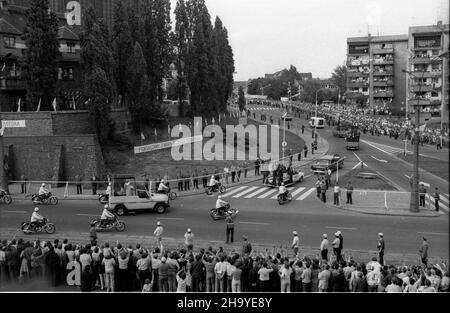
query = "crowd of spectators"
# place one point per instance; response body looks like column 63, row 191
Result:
column 135, row 268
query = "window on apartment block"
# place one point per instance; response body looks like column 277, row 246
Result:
column 435, row 67
column 65, row 73
column 71, row 47
column 427, row 41
column 10, row 42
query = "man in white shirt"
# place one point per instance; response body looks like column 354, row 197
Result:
column 336, row 249
column 295, row 243
column 221, row 205
column 374, row 264
column 106, row 216
column 36, row 218
column 213, row 182
column 189, row 239
column 43, row 192
column 324, row 247
column 162, row 188
column 282, row 191
column 158, row 232
column 337, row 194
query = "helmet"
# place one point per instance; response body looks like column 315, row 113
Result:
column 282, row 184
column 36, row 209
column 212, row 177
column 106, row 206
column 219, row 197
column 43, row 185
column 163, row 181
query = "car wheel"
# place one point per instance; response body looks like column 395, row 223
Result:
column 121, row 210
column 160, row 209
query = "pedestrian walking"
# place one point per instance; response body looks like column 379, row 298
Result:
column 189, row 240
column 158, row 233
column 303, row 129
column 295, row 243
column 328, row 178
column 230, row 228
column 337, row 194
column 424, row 251
column 323, row 191
column 422, row 193
column 24, row 179
column 78, row 180
column 324, row 247
column 380, row 247
column 349, row 193
column 437, row 197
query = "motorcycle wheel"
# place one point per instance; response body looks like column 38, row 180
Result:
column 8, row 199
column 223, row 189
column 289, row 198
column 208, row 191
column 280, row 201
column 120, row 227
column 172, row 196
column 25, row 227
column 50, row 229
column 102, row 200
column 214, row 215
column 53, row 201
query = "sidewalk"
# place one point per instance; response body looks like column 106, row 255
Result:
column 175, row 243
column 323, row 147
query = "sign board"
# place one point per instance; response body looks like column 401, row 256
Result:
column 167, row 144
column 14, row 124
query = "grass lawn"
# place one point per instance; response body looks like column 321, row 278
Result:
column 379, row 183
column 120, row 158
column 434, row 166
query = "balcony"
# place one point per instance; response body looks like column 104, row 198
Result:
column 357, row 84
column 384, row 73
column 422, row 60
column 383, row 62
column 382, row 51
column 384, row 94
column 423, row 88
column 383, row 83
column 358, row 74
column 414, row 102
column 11, row 84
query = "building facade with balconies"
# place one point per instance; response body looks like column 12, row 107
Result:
column 12, row 49
column 428, row 69
column 375, row 70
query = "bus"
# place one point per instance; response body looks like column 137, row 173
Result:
column 317, row 122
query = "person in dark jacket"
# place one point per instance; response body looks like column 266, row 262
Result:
column 51, row 265
column 360, row 285
column 254, row 278
column 338, row 281
column 197, row 270
column 87, row 279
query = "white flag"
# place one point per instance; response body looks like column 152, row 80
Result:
column 54, row 104
column 18, row 105
column 39, row 105
column 142, row 136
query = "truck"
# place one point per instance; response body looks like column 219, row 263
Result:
column 332, row 162
column 353, row 137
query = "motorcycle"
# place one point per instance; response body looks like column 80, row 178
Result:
column 109, row 225
column 39, row 227
column 171, row 194
column 217, row 188
column 215, row 215
column 103, row 198
column 4, row 197
column 48, row 199
column 283, row 199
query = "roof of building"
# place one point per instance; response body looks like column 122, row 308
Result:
column 65, row 32
column 392, row 38
column 7, row 28
column 429, row 29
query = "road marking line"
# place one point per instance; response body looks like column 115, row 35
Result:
column 276, row 197
column 16, row 212
column 256, row 193
column 267, row 194
column 427, row 233
column 245, row 192
column 232, row 192
column 339, row 228
column 443, row 198
column 306, row 194
column 299, row 190
column 171, row 219
column 251, row 223
column 387, row 152
column 382, row 161
column 357, row 165
column 89, row 215
column 441, row 205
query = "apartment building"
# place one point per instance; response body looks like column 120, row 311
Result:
column 12, row 48
column 375, row 70
column 428, row 69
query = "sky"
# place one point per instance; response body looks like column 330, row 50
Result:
column 269, row 35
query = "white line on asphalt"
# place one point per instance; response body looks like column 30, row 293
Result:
column 373, row 146
column 232, row 192
column 306, row 194
column 360, row 161
column 339, row 228
column 256, row 192
column 357, row 165
column 299, row 190
column 245, row 192
column 443, row 198
column 89, row 215
column 430, row 202
column 15, row 212
column 251, row 223
column 267, row 194
column 438, row 234
column 382, row 161
column 171, row 219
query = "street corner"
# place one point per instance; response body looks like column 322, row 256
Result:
column 385, row 212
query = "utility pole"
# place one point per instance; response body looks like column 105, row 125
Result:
column 3, row 177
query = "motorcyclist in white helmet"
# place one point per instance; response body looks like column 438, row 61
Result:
column 162, row 188
column 282, row 191
column 221, row 205
column 106, row 216
column 43, row 192
column 36, row 218
column 213, row 183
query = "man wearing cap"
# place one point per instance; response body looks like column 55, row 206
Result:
column 189, row 239
column 230, row 227
column 295, row 243
column 380, row 247
column 324, row 247
column 424, row 251
column 158, row 232
column 336, row 244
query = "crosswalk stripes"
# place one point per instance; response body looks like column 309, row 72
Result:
column 429, row 202
column 256, row 192
column 384, row 148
